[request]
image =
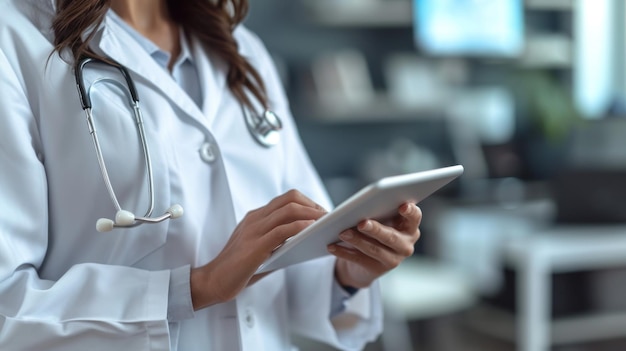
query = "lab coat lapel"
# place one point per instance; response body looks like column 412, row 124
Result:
column 212, row 71
column 115, row 43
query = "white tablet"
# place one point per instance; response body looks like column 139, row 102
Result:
column 378, row 200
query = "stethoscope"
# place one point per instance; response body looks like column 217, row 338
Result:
column 264, row 129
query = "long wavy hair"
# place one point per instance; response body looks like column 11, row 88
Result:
column 212, row 22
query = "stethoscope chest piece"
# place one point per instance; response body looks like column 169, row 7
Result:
column 265, row 128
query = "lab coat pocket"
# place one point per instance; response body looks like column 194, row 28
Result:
column 134, row 244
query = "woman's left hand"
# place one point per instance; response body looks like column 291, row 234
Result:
column 375, row 248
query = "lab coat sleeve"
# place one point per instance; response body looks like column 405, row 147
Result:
column 310, row 285
column 310, row 302
column 91, row 306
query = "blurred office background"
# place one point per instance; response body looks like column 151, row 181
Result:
column 527, row 250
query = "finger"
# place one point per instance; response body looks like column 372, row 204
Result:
column 412, row 218
column 277, row 236
column 389, row 257
column 396, row 241
column 357, row 257
column 290, row 212
column 291, row 196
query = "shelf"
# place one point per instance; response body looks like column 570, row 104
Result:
column 547, row 51
column 554, row 5
column 361, row 13
column 391, row 13
column 378, row 108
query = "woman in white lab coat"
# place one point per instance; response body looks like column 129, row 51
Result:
column 181, row 284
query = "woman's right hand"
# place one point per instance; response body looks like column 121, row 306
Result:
column 255, row 237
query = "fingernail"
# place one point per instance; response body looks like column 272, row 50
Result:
column 367, row 225
column 346, row 235
column 332, row 248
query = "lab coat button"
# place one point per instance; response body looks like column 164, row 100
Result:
column 249, row 319
column 206, row 153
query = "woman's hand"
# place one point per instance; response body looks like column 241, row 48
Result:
column 375, row 248
column 252, row 242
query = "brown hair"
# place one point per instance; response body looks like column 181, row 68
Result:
column 211, row 22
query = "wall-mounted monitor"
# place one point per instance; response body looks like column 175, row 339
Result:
column 469, row 28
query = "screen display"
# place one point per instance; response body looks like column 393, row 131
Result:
column 487, row 28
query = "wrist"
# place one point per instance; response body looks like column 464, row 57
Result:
column 344, row 279
column 200, row 292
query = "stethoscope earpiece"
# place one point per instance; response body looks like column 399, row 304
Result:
column 104, row 225
column 127, row 219
column 175, row 211
column 124, row 218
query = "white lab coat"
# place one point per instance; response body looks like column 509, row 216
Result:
column 64, row 286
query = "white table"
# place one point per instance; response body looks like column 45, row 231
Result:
column 482, row 239
column 562, row 249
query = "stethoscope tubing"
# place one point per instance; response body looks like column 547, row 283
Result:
column 100, row 158
column 123, row 218
column 134, row 104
